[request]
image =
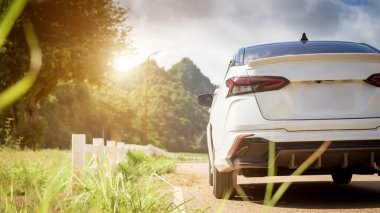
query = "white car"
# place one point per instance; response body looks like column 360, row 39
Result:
column 298, row 95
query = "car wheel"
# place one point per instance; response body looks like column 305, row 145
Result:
column 210, row 178
column 224, row 184
column 341, row 177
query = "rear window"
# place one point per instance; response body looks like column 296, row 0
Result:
column 297, row 48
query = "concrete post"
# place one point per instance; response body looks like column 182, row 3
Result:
column 111, row 151
column 78, row 143
column 98, row 143
column 120, row 152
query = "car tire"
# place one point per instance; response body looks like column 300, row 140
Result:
column 224, row 184
column 210, row 178
column 341, row 177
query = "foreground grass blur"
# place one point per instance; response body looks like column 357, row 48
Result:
column 41, row 181
column 272, row 201
column 19, row 88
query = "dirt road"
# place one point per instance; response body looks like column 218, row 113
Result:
column 307, row 193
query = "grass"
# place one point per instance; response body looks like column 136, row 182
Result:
column 40, row 181
column 284, row 186
column 185, row 156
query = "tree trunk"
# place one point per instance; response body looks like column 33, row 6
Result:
column 29, row 125
column 14, row 114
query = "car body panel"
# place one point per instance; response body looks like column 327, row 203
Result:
column 281, row 135
column 326, row 99
column 323, row 86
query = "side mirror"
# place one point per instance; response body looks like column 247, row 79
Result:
column 205, row 100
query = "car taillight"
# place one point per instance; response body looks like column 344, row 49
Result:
column 250, row 84
column 374, row 80
column 232, row 152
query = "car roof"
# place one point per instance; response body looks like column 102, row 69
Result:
column 311, row 42
column 254, row 52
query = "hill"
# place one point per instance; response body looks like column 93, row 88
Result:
column 191, row 77
column 116, row 110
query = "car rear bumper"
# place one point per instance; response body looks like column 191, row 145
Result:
column 349, row 148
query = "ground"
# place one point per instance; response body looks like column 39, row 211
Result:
column 306, row 194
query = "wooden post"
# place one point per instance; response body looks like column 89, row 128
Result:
column 120, row 152
column 78, row 143
column 111, row 151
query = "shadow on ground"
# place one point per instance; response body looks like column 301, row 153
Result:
column 320, row 195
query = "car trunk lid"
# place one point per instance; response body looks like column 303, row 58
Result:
column 322, row 86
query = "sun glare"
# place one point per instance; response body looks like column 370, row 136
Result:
column 122, row 64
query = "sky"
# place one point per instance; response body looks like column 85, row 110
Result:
column 209, row 32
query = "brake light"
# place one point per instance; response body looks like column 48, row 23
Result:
column 250, row 84
column 374, row 80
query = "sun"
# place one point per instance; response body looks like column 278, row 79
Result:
column 122, row 63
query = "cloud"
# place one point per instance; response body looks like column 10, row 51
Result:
column 210, row 31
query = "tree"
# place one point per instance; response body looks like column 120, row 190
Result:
column 97, row 111
column 77, row 38
column 175, row 121
column 191, row 77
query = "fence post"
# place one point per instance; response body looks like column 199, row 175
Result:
column 111, row 151
column 98, row 144
column 120, row 152
column 78, row 143
column 115, row 152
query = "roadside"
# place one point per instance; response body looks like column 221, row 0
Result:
column 42, row 181
column 307, row 193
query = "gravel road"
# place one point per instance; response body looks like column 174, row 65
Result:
column 306, row 194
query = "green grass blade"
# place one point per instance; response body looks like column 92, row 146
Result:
column 10, row 16
column 13, row 93
column 284, row 186
column 271, row 172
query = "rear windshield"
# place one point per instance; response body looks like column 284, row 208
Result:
column 297, row 48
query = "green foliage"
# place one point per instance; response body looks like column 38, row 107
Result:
column 27, row 173
column 73, row 92
column 44, row 185
column 82, row 108
column 191, row 77
column 175, row 120
column 31, row 137
column 184, row 156
column 6, row 138
column 140, row 164
column 76, row 37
